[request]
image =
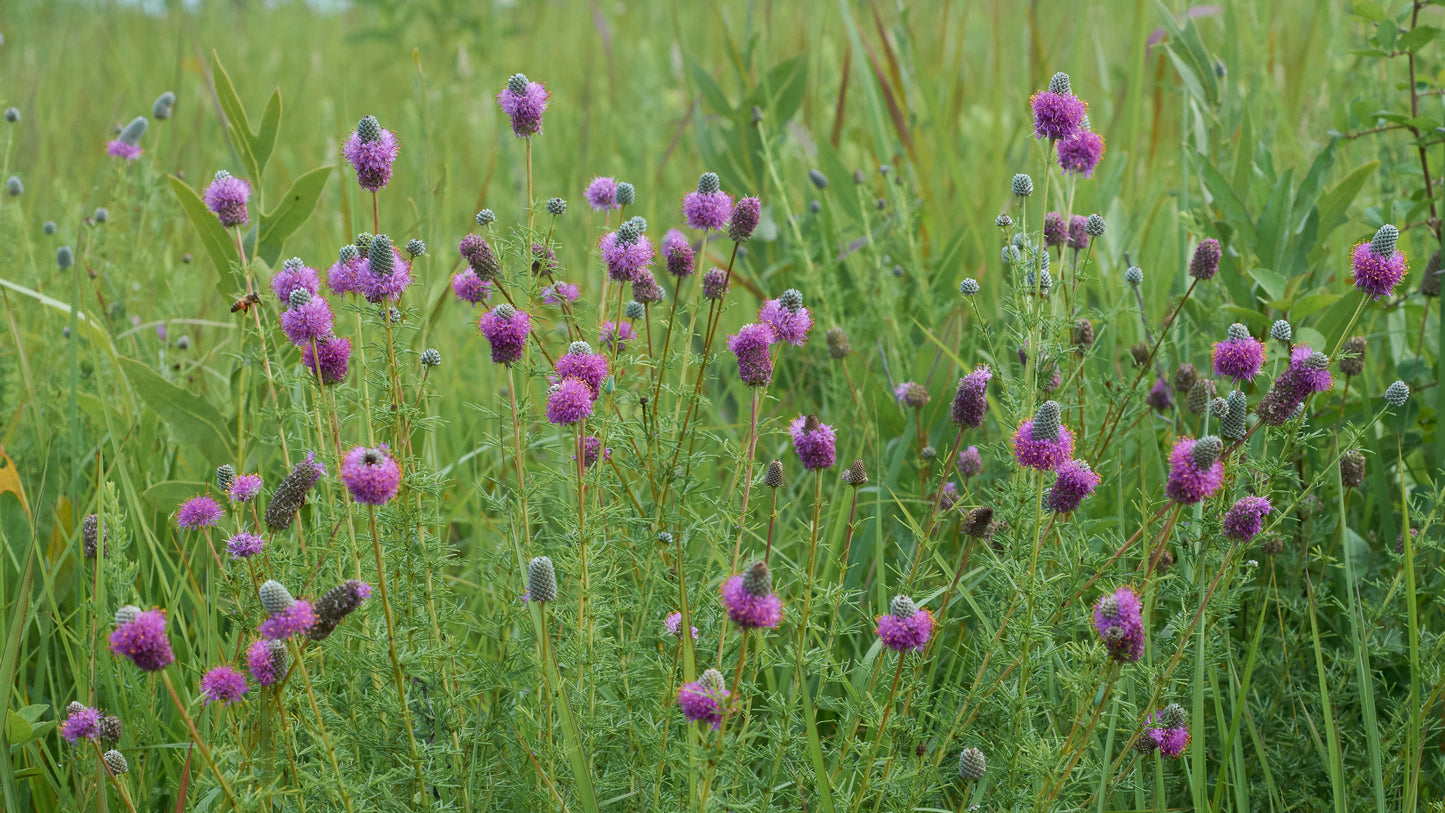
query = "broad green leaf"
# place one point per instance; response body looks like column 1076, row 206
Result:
column 264, row 141
column 1314, row 181
column 190, row 417
column 781, row 91
column 294, row 209
column 1335, row 202
column 1369, row 10
column 236, row 120
column 708, row 87
column 1310, row 304
column 1304, row 243
column 1271, row 230
column 17, row 728
column 1224, row 197
column 214, row 237
column 1272, row 283
column 1417, row 38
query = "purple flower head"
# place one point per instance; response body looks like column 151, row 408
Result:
column 702, row 703
column 911, row 395
column 371, row 475
column 267, row 661
column 905, row 626
column 707, row 210
column 1057, row 115
column 226, row 197
column 481, row 260
column 307, row 322
column 591, row 447
column 581, row 363
column 745, row 219
column 601, row 194
column 625, row 259
column 199, row 512
column 569, row 401
column 1160, row 396
column 506, row 328
column 294, row 276
column 1205, row 262
column 646, row 290
column 752, row 345
column 142, row 638
column 1238, row 357
column 119, row 149
column 714, row 284
column 245, row 487
column 1376, row 275
column 1120, row 624
column 338, row 602
column 1055, row 232
column 559, row 292
column 471, row 288
column 344, row 276
column 1308, row 373
column 1080, row 152
column 378, row 287
column 544, row 260
column 1075, row 482
column 524, row 102
column 1078, row 233
column 1163, row 734
column 970, row 462
column 81, row 724
column 672, row 241
column 674, row 626
column 371, row 150
column 1193, row 477
column 681, row 259
column 814, row 442
column 1245, row 518
column 1042, row 442
column 791, row 326
column 223, row 684
column 244, row 545
column 335, row 359
column 970, row 401
column 1310, row 369
column 948, row 496
column 612, row 330
column 749, row 610
column 295, row 619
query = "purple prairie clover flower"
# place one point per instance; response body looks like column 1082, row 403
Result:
column 702, row 701
column 1042, row 442
column 624, row 260
column 1376, row 266
column 1245, row 518
column 591, row 446
column 244, row 488
column 1238, row 357
column 344, row 276
column 646, row 290
column 674, row 626
column 714, row 284
column 524, row 102
column 601, row 194
column 308, row 322
column 1195, row 471
column 299, row 617
column 83, row 723
column 481, row 260
column 471, row 288
column 581, row 363
column 672, row 241
column 199, row 512
column 569, row 401
column 267, row 661
column 226, row 197
column 1078, row 233
column 752, row 345
column 1205, row 262
column 371, row 150
column 791, row 326
column 1055, row 232
column 1120, row 624
column 335, row 359
column 911, row 394
column 1074, row 483
column 116, row 148
column 905, row 626
column 544, row 260
column 948, row 496
column 1308, row 373
column 746, row 215
column 339, row 602
column 1167, row 731
column 294, row 277
column 244, row 545
column 1057, row 115
column 611, row 331
column 1310, row 369
column 749, row 598
column 1080, row 153
column 141, row 637
column 378, row 287
column 814, row 442
column 1160, row 397
column 708, row 211
column 970, row 401
column 1171, row 742
column 224, row 685
column 970, row 462
column 559, row 292
column 681, row 259
column 371, row 475
column 506, row 328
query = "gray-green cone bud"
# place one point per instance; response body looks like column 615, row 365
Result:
column 1218, row 408
column 708, row 183
column 541, row 580
column 14, row 187
column 1173, row 716
column 101, row 215
column 64, row 257
column 49, row 227
column 1022, row 185
column 225, row 476
column 1134, row 276
column 163, row 105
column 1397, row 394
column 1430, row 278
column 857, row 474
column 902, row 607
column 368, row 129
column 639, row 222
column 626, row 193
column 126, row 614
column 1003, row 221
column 12, row 114
column 1238, row 332
column 383, row 262
column 1059, row 83
column 579, row 348
column 505, row 311
column 972, row 764
column 556, row 207
column 1352, row 356
column 348, row 254
column 838, row 344
column 1199, row 396
column 1383, row 243
column 1280, row 331
column 1352, row 468
column 1206, row 450
column 415, row 247
column 430, row 357
column 818, row 178
column 275, row 598
column 773, row 478
column 712, row 681
column 517, row 83
column 635, row 310
column 111, row 729
column 928, row 453
column 758, row 580
column 363, row 243
column 1094, row 226
column 298, row 297
column 1235, row 423
column 130, row 136
column 115, row 762
column 792, row 299
column 1046, row 421
column 485, row 217
column 968, row 287
column 628, row 233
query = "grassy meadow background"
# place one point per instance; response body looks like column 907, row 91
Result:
column 1216, row 119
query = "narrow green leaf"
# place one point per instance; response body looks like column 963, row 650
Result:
column 294, row 209
column 708, row 87
column 213, row 236
column 1335, row 202
column 236, row 121
column 264, row 140
column 1224, row 197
